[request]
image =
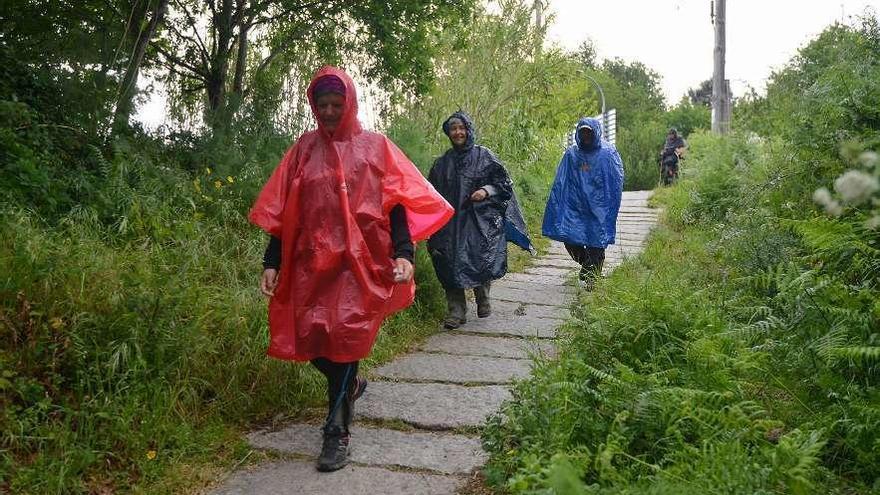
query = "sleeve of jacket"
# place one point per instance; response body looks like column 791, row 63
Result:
column 499, row 179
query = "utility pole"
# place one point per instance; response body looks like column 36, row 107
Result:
column 720, row 85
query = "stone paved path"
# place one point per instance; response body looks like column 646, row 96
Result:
column 442, row 392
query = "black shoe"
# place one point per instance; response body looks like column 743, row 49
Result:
column 451, row 323
column 484, row 310
column 334, row 450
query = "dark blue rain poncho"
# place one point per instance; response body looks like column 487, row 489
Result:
column 471, row 249
column 585, row 198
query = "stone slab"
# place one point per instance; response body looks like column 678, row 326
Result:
column 556, row 288
column 301, row 478
column 433, row 406
column 634, row 229
column 444, row 453
column 530, row 279
column 475, row 345
column 530, row 296
column 557, row 262
column 632, row 209
column 552, row 271
column 513, row 325
column 448, row 368
column 503, row 309
column 638, row 194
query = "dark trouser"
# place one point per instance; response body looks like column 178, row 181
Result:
column 590, row 259
column 340, row 378
column 457, row 304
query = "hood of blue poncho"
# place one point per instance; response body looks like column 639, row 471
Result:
column 596, row 127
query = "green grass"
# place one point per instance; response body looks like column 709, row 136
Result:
column 735, row 355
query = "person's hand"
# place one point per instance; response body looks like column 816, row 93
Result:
column 269, row 281
column 479, row 195
column 403, row 270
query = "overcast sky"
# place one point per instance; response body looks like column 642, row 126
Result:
column 676, row 37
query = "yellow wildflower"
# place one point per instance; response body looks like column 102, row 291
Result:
column 208, row 170
column 229, row 179
column 218, row 184
column 151, row 454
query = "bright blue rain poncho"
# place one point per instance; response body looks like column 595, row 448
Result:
column 585, row 198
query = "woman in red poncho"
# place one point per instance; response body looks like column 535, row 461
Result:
column 343, row 208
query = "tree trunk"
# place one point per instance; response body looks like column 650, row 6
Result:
column 128, row 87
column 241, row 59
column 218, row 74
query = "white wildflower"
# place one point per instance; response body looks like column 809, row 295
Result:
column 855, row 187
column 822, row 196
column 868, row 158
column 834, row 209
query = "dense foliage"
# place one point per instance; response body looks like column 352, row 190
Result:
column 739, row 353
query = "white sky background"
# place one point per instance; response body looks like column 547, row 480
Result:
column 676, row 37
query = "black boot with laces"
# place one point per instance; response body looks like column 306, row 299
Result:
column 334, row 449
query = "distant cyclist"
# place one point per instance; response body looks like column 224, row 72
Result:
column 673, row 150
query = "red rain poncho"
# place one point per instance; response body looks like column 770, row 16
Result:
column 328, row 201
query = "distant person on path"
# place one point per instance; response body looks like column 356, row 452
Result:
column 672, row 152
column 471, row 250
column 343, row 209
column 585, row 199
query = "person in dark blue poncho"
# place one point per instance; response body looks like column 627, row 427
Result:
column 585, row 199
column 470, row 251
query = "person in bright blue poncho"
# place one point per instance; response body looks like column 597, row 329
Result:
column 585, row 199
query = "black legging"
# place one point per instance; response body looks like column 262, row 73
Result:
column 590, row 259
column 336, row 375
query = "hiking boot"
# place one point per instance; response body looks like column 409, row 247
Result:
column 484, row 310
column 334, row 449
column 456, row 309
column 587, row 279
column 453, row 322
column 484, row 307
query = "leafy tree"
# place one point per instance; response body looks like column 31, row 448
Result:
column 218, row 48
column 702, row 94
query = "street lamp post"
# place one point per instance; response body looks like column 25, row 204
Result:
column 601, row 93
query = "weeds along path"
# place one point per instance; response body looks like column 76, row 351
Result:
column 418, row 423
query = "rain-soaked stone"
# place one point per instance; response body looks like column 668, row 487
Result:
column 516, row 325
column 297, row 477
column 476, row 345
column 534, row 280
column 503, row 309
column 441, row 452
column 557, row 263
column 433, row 406
column 551, row 271
column 450, row 368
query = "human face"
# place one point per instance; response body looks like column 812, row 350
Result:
column 457, row 133
column 330, row 107
column 586, row 135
